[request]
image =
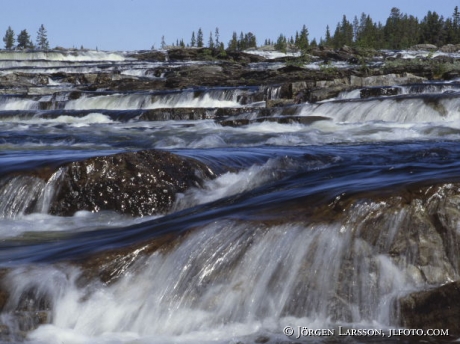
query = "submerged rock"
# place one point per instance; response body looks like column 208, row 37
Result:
column 135, row 183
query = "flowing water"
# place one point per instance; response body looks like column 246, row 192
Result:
column 298, row 229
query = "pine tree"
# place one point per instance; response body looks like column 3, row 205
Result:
column 9, row 38
column 24, row 41
column 199, row 39
column 241, row 42
column 343, row 34
column 193, row 41
column 42, row 40
column 302, row 39
column 251, row 41
column 216, row 35
column 432, row 29
column 233, row 44
column 281, row 43
column 456, row 25
column 211, row 41
column 327, row 40
column 163, row 43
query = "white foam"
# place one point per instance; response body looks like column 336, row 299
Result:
column 88, row 55
column 225, row 282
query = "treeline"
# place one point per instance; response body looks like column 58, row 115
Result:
column 23, row 40
column 400, row 31
column 241, row 42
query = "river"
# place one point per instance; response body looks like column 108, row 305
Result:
column 317, row 225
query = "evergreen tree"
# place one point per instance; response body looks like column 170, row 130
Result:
column 193, row 41
column 250, row 40
column 343, row 34
column 355, row 28
column 233, row 44
column 9, row 38
column 199, row 38
column 431, row 29
column 241, row 42
column 216, row 35
column 24, row 41
column 211, row 41
column 281, row 43
column 163, row 43
column 327, row 39
column 368, row 33
column 42, row 39
column 456, row 26
column 393, row 29
column 302, row 39
column 449, row 31
column 222, row 48
column 456, row 17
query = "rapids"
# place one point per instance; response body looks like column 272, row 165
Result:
column 323, row 225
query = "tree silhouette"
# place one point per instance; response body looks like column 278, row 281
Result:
column 42, row 40
column 199, row 38
column 24, row 41
column 9, row 38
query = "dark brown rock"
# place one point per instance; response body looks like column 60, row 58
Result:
column 437, row 308
column 135, row 183
column 379, row 91
column 153, row 55
column 305, row 120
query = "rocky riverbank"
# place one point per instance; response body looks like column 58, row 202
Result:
column 225, row 104
column 322, row 74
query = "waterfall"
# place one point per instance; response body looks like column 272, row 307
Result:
column 26, row 194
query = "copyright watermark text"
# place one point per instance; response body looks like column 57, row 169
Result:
column 302, row 331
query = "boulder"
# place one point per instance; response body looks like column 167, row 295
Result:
column 437, row 308
column 135, row 183
column 379, row 91
column 424, row 47
column 450, row 48
column 153, row 55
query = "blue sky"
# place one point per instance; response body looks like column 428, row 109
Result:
column 139, row 24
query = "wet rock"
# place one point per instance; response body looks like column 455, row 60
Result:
column 305, row 120
column 437, row 308
column 134, row 84
column 209, row 75
column 167, row 114
column 379, row 91
column 135, row 183
column 182, row 54
column 391, row 79
column 110, row 265
column 3, row 298
column 450, row 48
column 424, row 47
column 323, row 93
column 280, row 103
column 153, row 55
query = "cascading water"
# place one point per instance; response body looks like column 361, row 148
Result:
column 322, row 215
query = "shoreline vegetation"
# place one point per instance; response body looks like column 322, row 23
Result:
column 399, row 32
